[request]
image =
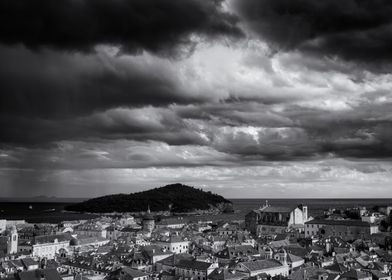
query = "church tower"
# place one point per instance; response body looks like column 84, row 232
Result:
column 13, row 241
column 148, row 221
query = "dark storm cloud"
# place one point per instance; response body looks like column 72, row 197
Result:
column 51, row 96
column 109, row 125
column 235, row 114
column 355, row 30
column 359, row 133
column 52, row 85
column 297, row 132
column 154, row 25
column 234, row 133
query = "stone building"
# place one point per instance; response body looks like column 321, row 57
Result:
column 273, row 220
column 346, row 229
column 9, row 241
column 175, row 244
column 50, row 246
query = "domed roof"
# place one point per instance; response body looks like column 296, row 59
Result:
column 74, row 242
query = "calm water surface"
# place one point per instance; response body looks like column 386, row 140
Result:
column 53, row 212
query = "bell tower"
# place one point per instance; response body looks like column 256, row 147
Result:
column 13, row 243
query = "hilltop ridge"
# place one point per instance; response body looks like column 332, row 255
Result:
column 174, row 197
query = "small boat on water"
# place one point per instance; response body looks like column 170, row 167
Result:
column 31, row 207
column 50, row 210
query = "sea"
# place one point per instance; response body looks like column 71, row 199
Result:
column 48, row 212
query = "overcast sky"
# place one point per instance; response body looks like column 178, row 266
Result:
column 246, row 98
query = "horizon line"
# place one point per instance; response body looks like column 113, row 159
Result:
column 229, row 198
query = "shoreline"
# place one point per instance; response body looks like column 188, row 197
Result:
column 20, row 211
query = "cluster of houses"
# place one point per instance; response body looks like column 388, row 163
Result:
column 271, row 243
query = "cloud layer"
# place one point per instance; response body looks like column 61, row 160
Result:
column 132, row 87
column 359, row 31
column 137, row 25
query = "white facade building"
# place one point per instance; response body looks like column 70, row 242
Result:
column 174, row 244
column 3, row 224
column 48, row 246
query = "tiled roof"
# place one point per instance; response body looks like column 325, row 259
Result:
column 242, row 248
column 336, row 267
column 171, row 222
column 379, row 265
column 84, row 240
column 236, row 250
column 306, row 272
column 52, row 264
column 280, row 243
column 378, row 274
column 228, row 228
column 38, row 274
column 134, row 273
column 293, row 258
column 338, row 250
column 226, row 274
column 175, row 259
column 16, row 263
column 172, row 239
column 29, row 262
column 155, row 250
column 195, row 265
column 90, row 226
column 298, row 251
column 338, row 222
column 261, row 264
column 104, row 249
column 364, row 263
column 276, row 209
column 90, row 263
column 354, row 274
column 176, row 238
column 220, row 238
column 43, row 239
column 129, row 229
column 281, row 236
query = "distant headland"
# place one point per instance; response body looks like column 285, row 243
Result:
column 176, row 198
